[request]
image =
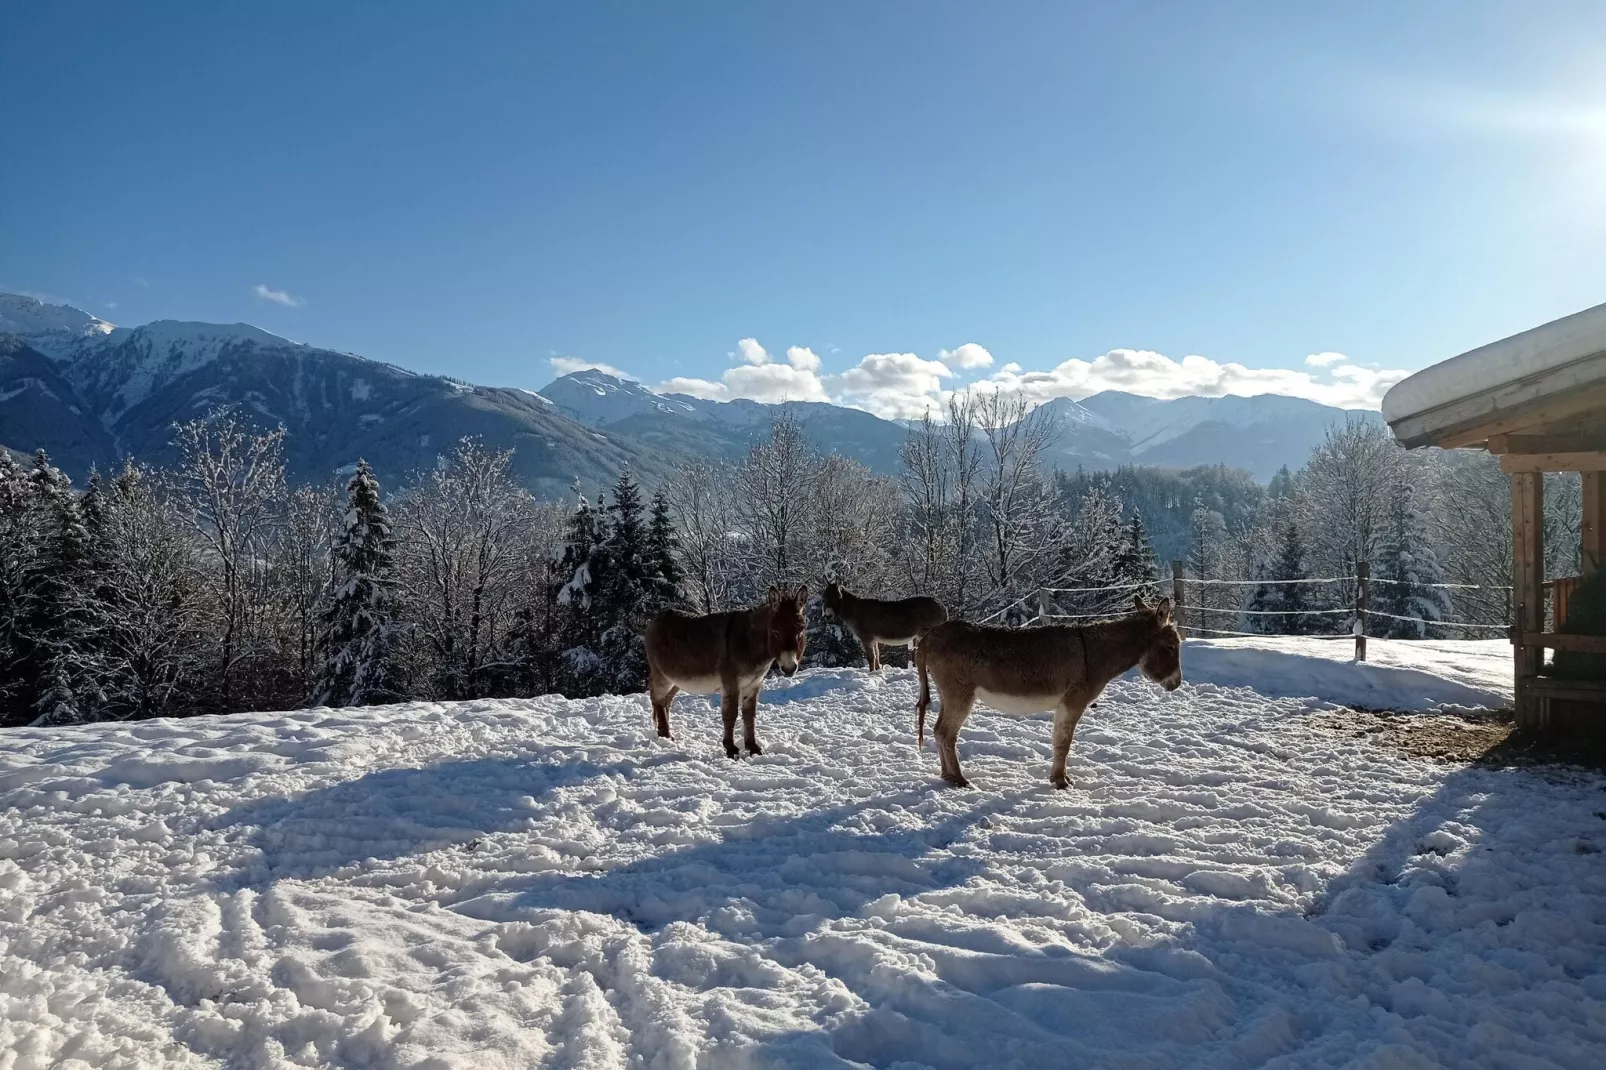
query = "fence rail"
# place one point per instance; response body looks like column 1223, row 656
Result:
column 1358, row 614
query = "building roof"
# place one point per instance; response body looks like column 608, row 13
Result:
column 1551, row 372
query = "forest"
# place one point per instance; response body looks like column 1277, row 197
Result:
column 216, row 586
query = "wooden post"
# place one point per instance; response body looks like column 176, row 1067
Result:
column 1363, row 602
column 1527, row 590
column 1594, row 526
column 1178, row 590
column 1042, row 605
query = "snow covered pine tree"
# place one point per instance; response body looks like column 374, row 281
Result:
column 362, row 633
column 58, row 662
column 1278, row 607
column 1409, row 571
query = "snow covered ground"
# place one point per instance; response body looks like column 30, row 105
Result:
column 544, row 883
column 1431, row 674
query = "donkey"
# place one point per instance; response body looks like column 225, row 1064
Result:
column 1028, row 670
column 874, row 622
column 726, row 652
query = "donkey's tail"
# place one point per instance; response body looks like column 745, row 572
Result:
column 925, row 698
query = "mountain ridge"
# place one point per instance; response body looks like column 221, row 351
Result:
column 92, row 393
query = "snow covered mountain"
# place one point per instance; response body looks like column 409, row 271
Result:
column 1259, row 434
column 90, row 393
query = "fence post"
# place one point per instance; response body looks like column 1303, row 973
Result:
column 1042, row 605
column 1178, row 589
column 1363, row 601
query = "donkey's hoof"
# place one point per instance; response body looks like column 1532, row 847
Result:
column 957, row 780
column 1061, row 781
column 731, row 751
column 663, row 733
column 754, row 749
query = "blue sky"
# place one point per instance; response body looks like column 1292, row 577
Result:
column 1072, row 191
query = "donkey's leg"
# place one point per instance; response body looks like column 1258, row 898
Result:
column 872, row 655
column 955, row 708
column 750, row 723
column 1065, row 720
column 662, row 693
column 729, row 699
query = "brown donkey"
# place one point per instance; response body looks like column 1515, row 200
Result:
column 1028, row 670
column 726, row 652
column 875, row 623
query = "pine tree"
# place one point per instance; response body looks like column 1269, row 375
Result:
column 581, row 554
column 56, row 659
column 583, row 569
column 628, row 581
column 17, row 549
column 1135, row 561
column 58, row 704
column 1207, row 537
column 362, row 634
column 628, row 590
column 1408, row 569
column 662, row 550
column 1281, row 487
column 1286, row 602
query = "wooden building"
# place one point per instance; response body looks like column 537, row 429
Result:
column 1537, row 400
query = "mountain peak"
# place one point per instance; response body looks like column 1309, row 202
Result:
column 20, row 314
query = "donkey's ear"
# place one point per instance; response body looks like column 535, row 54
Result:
column 773, row 595
column 802, row 593
column 1164, row 609
column 1138, row 603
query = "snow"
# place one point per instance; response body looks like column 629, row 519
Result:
column 1418, row 674
column 29, row 316
column 1540, row 349
column 543, row 882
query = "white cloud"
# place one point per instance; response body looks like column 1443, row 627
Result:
column 570, row 365
column 752, row 352
column 697, row 388
column 1155, row 375
column 969, row 355
column 1325, row 360
column 906, row 385
column 803, row 359
column 897, row 386
column 278, row 297
column 758, row 377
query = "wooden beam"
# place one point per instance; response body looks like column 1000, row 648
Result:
column 1585, row 442
column 1573, row 690
column 1593, row 529
column 1528, row 592
column 1582, row 644
column 1594, row 461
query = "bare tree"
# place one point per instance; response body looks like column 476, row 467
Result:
column 149, row 625
column 1346, row 493
column 232, row 486
column 852, row 518
column 964, row 453
column 705, row 509
column 460, row 551
column 927, row 480
column 773, row 483
column 1018, row 510
column 303, row 569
